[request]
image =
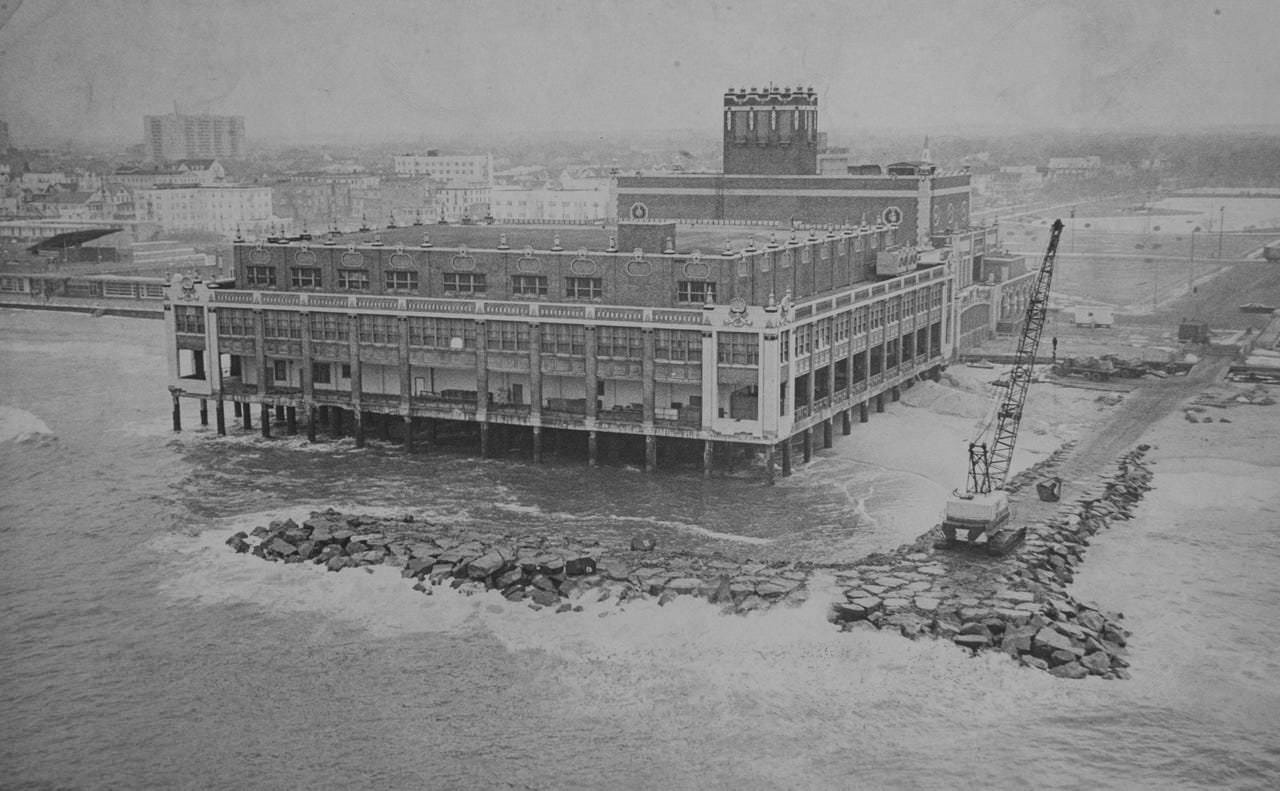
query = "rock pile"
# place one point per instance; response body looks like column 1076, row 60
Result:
column 1016, row 604
column 545, row 571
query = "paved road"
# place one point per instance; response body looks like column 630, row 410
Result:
column 1119, row 432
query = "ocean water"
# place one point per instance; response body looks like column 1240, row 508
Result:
column 136, row 651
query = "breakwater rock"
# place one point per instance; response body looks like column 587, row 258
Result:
column 1016, row 604
column 547, row 572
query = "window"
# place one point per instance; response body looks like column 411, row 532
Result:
column 400, row 280
column 891, row 310
column 346, row 371
column 280, row 371
column 564, row 339
column 507, row 336
column 281, row 324
column 696, row 291
column 529, row 285
column 304, row 277
column 189, row 318
column 860, row 321
column 683, row 346
column 804, row 340
column 822, row 334
column 260, row 275
column 322, row 373
column 583, row 287
column 328, row 327
column 379, row 329
column 623, row 342
column 353, row 279
column 877, row 315
column 235, row 322
column 464, row 283
column 440, row 333
column 784, row 345
column 908, row 303
column 842, row 324
column 739, row 348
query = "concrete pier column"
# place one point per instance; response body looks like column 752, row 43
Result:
column 204, row 412
column 806, row 445
column 291, row 420
column 408, row 433
column 879, row 402
column 177, row 414
column 357, row 427
column 593, row 448
column 896, row 392
column 786, row 456
column 484, row 440
column 826, row 433
column 428, row 434
column 236, row 408
column 708, row 453
column 247, row 414
column 846, row 421
column 335, row 420
column 220, row 417
column 863, row 415
column 266, row 421
column 769, row 472
column 650, row 452
column 312, row 419
column 279, row 413
column 537, row 444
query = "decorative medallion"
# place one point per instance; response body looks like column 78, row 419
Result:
column 400, row 259
column 260, row 256
column 695, row 267
column 639, row 211
column 352, row 259
column 892, row 215
column 305, row 258
column 637, row 266
column 463, row 262
column 583, row 265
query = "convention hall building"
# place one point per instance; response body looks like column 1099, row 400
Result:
column 649, row 339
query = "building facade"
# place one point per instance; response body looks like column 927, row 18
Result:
column 215, row 209
column 177, row 136
column 743, row 347
column 449, row 167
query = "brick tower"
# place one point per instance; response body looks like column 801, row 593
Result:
column 771, row 132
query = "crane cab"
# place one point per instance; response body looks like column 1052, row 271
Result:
column 974, row 513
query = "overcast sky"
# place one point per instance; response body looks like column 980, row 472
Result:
column 409, row 69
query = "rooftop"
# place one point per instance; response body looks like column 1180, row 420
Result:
column 708, row 239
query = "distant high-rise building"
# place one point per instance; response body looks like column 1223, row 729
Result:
column 176, row 136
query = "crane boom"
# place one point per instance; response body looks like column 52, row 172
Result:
column 989, row 466
column 984, row 505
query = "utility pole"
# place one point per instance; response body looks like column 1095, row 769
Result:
column 1221, row 211
column 1191, row 264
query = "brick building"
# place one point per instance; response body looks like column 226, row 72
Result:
column 636, row 336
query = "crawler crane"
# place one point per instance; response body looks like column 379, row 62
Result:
column 984, row 505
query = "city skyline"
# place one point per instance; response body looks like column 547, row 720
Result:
column 403, row 70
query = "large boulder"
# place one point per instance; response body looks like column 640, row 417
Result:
column 579, row 565
column 1048, row 640
column 643, row 543
column 485, row 566
column 238, row 542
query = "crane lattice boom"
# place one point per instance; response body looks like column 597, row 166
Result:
column 988, row 466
